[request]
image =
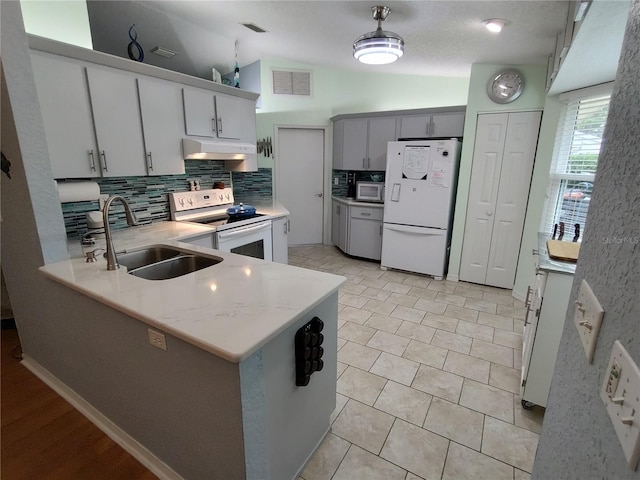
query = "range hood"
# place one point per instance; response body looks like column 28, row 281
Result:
column 212, row 150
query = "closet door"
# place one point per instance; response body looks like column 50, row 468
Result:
column 483, row 193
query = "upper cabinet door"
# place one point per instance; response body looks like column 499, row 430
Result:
column 229, row 117
column 447, row 125
column 354, row 146
column 66, row 114
column 415, row 126
column 381, row 131
column 199, row 112
column 163, row 125
column 116, row 113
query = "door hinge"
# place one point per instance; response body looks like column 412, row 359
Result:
column 524, row 382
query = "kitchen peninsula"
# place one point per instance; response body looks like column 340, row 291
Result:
column 220, row 399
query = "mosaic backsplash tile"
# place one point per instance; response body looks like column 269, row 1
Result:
column 340, row 190
column 148, row 195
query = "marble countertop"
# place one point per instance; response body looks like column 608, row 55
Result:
column 353, row 201
column 546, row 263
column 230, row 309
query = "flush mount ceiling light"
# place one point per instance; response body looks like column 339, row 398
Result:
column 495, row 25
column 163, row 52
column 379, row 47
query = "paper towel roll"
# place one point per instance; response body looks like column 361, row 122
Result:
column 78, row 191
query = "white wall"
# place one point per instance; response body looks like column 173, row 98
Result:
column 65, row 21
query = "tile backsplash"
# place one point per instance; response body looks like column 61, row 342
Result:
column 148, row 195
column 340, row 190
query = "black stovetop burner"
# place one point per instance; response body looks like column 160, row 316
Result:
column 227, row 219
column 243, row 217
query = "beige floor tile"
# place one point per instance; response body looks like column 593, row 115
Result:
column 518, row 326
column 365, row 426
column 452, row 341
column 395, row 368
column 440, row 322
column 513, row 312
column 480, row 305
column 341, row 321
column 412, row 476
column 438, row 383
column 431, row 306
column 422, row 293
column 341, row 342
column 520, row 475
column 513, row 445
column 360, row 385
column 473, row 330
column 456, row 423
column 466, row 464
column 529, row 419
column 409, row 314
column 390, row 276
column 384, row 323
column 377, row 306
column 468, row 367
column 372, row 272
column 372, row 282
column 451, row 299
column 487, row 399
column 461, row 313
column 352, row 288
column 426, row 354
column 326, row 459
column 417, row 281
column 376, row 294
column 360, row 464
column 508, row 339
column 416, row 450
column 496, row 321
column 341, row 401
column 498, row 298
column 358, row 355
column 353, row 269
column 414, row 331
column 396, row 287
column 492, row 352
column 517, row 359
column 352, row 300
column 400, row 299
column 505, row 378
column 389, row 342
column 443, row 286
column 404, row 402
column 468, row 292
column 341, row 368
column 356, row 333
column 354, row 315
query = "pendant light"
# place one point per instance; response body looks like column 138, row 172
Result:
column 379, row 47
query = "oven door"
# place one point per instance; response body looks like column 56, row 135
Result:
column 253, row 240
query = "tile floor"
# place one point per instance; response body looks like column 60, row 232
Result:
column 428, row 378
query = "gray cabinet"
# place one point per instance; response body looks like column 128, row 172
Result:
column 280, row 239
column 434, row 125
column 361, row 143
column 365, row 232
column 340, row 225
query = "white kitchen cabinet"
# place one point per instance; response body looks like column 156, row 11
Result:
column 437, row 125
column 162, row 125
column 547, row 303
column 66, row 113
column 340, row 225
column 361, row 143
column 365, row 232
column 116, row 115
column 215, row 115
column 280, row 239
column 205, row 240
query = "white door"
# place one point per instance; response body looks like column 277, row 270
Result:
column 500, row 178
column 299, row 170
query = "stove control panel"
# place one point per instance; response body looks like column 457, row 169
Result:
column 182, row 201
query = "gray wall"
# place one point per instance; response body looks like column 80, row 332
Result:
column 578, row 440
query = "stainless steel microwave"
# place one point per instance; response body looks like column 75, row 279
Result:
column 370, row 192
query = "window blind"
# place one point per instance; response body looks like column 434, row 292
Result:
column 575, row 159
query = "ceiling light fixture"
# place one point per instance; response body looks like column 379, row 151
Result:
column 163, row 52
column 495, row 25
column 379, row 47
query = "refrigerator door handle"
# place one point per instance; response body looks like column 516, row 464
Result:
column 413, row 230
column 395, row 192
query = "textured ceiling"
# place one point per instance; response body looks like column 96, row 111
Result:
column 443, row 38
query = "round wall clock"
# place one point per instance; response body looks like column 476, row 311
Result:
column 505, row 86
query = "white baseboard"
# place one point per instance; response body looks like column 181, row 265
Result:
column 453, row 278
column 122, row 438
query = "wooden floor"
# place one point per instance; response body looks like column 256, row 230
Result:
column 44, row 437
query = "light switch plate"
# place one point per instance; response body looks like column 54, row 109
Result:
column 587, row 317
column 620, row 393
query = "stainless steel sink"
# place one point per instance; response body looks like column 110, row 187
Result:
column 147, row 256
column 175, row 267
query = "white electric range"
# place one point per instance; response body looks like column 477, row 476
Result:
column 247, row 235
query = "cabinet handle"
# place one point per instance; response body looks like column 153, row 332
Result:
column 92, row 160
column 214, row 127
column 288, row 226
column 368, row 164
column 150, row 161
column 364, row 163
column 534, row 252
column 219, row 124
column 380, row 229
column 104, row 161
column 365, row 214
column 526, row 300
column 526, row 316
column 285, row 227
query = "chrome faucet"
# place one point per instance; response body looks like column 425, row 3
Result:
column 112, row 260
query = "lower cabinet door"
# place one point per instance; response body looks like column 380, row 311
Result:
column 365, row 238
column 280, row 239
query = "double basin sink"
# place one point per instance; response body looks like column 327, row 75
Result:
column 161, row 262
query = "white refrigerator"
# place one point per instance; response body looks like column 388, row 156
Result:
column 420, row 190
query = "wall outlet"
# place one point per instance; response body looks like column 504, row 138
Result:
column 336, row 181
column 157, row 339
column 588, row 318
column 620, row 393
